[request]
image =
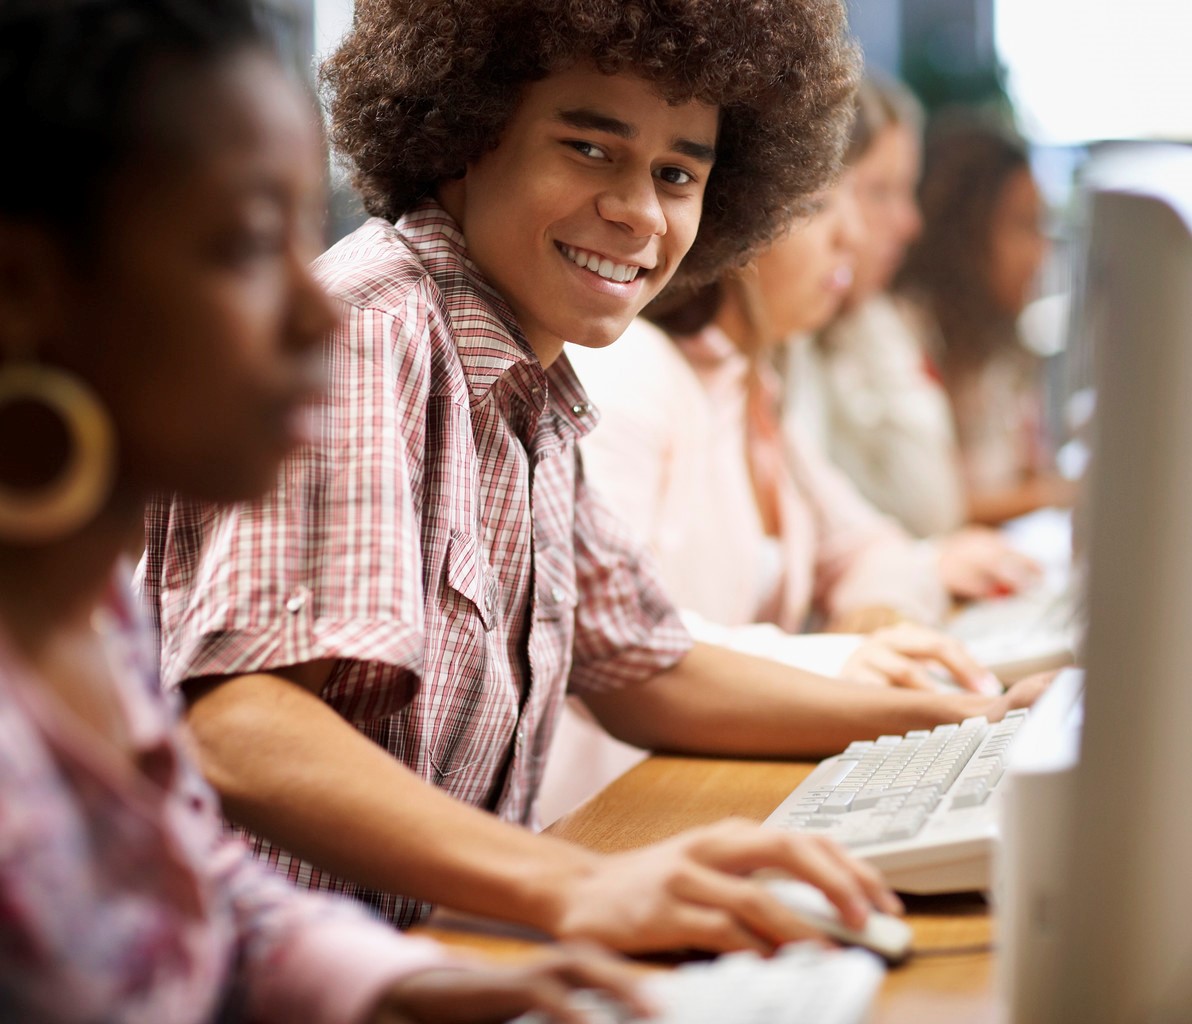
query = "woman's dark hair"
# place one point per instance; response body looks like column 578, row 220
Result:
column 76, row 76
column 967, row 161
column 882, row 102
column 420, row 88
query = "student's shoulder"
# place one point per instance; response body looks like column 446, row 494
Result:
column 375, row 267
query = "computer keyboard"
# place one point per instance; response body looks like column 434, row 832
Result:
column 921, row 807
column 802, row 983
column 1025, row 632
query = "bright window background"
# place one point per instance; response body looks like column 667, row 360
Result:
column 332, row 19
column 1082, row 70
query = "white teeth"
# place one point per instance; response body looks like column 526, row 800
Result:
column 606, row 268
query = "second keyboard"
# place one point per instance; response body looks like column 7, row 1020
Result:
column 921, row 807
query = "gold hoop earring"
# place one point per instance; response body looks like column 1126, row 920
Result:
column 78, row 492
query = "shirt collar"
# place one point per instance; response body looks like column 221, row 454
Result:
column 486, row 332
column 569, row 400
column 488, row 337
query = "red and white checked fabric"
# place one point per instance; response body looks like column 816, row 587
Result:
column 438, row 540
column 124, row 902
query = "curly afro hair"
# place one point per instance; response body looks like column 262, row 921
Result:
column 420, row 88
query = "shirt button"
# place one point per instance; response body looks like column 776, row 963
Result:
column 556, row 594
column 297, row 600
column 580, row 408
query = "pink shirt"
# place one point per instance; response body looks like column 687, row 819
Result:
column 121, row 898
column 679, row 426
column 439, row 541
column 671, row 455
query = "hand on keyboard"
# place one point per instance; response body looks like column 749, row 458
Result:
column 472, row 994
column 801, row 984
column 1021, row 695
column 689, row 892
column 976, row 562
column 907, row 654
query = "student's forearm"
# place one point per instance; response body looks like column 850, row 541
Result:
column 994, row 507
column 719, row 702
column 289, row 768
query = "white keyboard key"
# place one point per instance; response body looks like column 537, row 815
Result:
column 838, row 802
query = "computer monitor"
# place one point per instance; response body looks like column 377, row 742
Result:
column 1124, row 949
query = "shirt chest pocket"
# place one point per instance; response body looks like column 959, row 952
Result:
column 470, row 576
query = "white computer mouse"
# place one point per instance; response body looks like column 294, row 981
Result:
column 887, row 936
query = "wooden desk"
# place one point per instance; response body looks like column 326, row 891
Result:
column 665, row 795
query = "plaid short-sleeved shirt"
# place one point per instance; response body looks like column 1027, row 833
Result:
column 438, row 541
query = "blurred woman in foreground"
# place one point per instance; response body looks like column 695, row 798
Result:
column 159, row 330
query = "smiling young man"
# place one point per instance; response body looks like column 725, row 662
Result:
column 588, row 205
column 378, row 653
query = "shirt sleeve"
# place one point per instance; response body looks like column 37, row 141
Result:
column 626, row 628
column 327, row 566
column 306, row 956
column 296, row 954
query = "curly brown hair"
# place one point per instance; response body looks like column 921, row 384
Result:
column 420, row 88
